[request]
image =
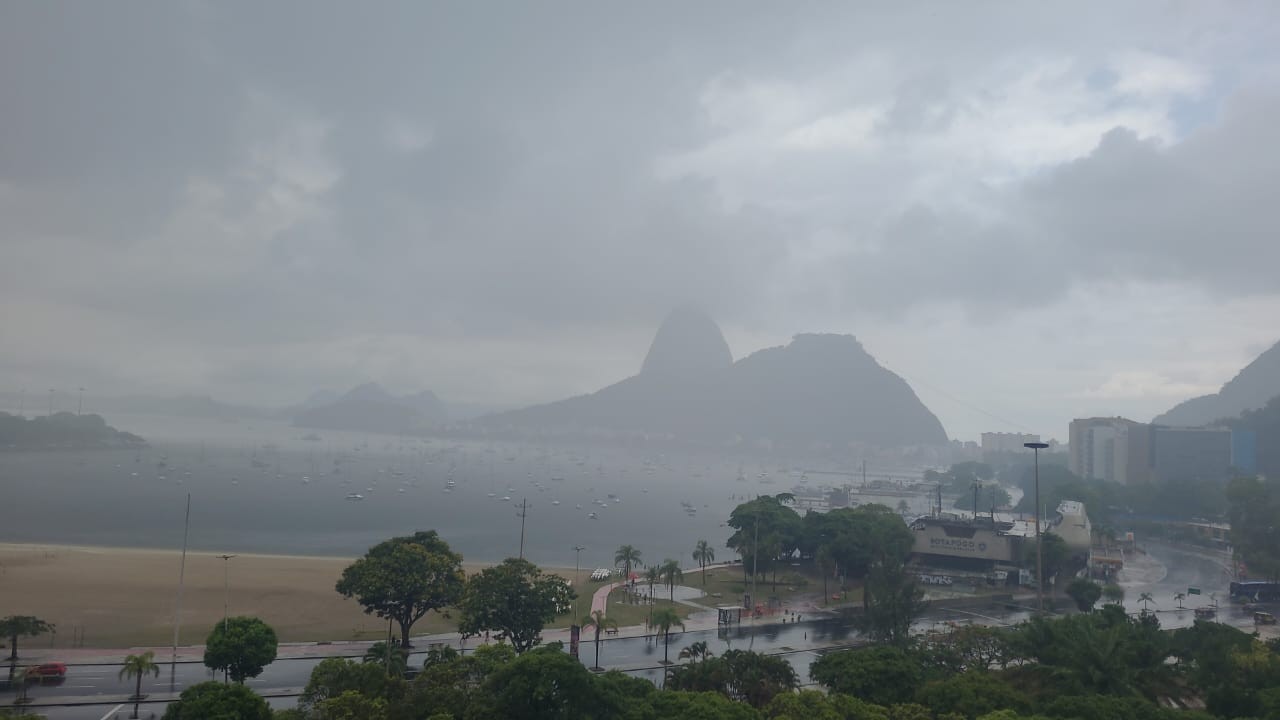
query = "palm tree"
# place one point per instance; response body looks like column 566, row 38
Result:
column 1145, row 598
column 16, row 626
column 663, row 620
column 628, row 557
column 136, row 666
column 600, row 623
column 1179, row 597
column 377, row 654
column 671, row 574
column 696, row 652
column 704, row 554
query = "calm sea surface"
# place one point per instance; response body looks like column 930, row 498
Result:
column 266, row 487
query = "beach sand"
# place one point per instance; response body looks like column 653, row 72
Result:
column 124, row 597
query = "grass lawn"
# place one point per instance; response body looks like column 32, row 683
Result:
column 793, row 584
column 626, row 614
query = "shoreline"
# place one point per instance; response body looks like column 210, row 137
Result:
column 7, row 547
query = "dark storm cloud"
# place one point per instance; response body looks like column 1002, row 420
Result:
column 314, row 191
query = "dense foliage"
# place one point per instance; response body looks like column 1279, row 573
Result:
column 241, row 646
column 514, row 601
column 404, row 578
column 62, row 429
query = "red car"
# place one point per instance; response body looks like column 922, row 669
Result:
column 40, row 673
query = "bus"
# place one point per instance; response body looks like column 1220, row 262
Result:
column 1255, row 591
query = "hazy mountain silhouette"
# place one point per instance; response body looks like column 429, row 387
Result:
column 62, row 430
column 370, row 408
column 817, row 389
column 688, row 342
column 1257, row 383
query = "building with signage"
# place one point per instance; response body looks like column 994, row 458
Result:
column 980, row 544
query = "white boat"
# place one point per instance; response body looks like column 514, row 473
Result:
column 355, row 496
column 555, row 502
column 506, row 498
column 493, row 494
column 592, row 516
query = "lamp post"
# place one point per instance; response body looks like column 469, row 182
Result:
column 1037, row 447
column 577, row 580
column 226, row 600
column 80, row 403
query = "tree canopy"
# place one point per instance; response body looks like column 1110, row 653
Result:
column 242, row 646
column 515, row 600
column 404, row 578
column 217, row 701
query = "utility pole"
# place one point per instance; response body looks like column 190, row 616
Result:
column 50, row 402
column 1037, row 447
column 524, row 511
column 80, row 403
column 22, row 403
column 226, row 600
column 976, row 487
column 577, row 571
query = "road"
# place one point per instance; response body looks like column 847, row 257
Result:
column 1171, row 570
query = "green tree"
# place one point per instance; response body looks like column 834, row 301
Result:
column 1084, row 593
column 628, row 557
column 17, row 626
column 881, row 675
column 891, row 601
column 970, row 694
column 138, row 666
column 544, row 684
column 699, row 706
column 350, row 705
column 671, row 575
column 1113, row 593
column 747, row 677
column 662, row 620
column 334, row 676
column 216, row 701
column 241, row 646
column 822, row 561
column 704, row 555
column 393, row 660
column 696, row 652
column 1178, row 597
column 816, row 705
column 1056, row 555
column 599, row 623
column 516, row 600
column 404, row 578
column 1146, row 599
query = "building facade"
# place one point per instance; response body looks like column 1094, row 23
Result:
column 1005, row 442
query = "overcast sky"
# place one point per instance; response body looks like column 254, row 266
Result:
column 1031, row 211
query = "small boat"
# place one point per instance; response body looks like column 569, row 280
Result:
column 493, row 494
column 578, row 506
column 355, row 496
column 506, row 498
column 555, row 502
column 592, row 516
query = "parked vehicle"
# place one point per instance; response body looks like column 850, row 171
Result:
column 1264, row 618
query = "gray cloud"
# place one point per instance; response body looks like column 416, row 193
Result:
column 266, row 197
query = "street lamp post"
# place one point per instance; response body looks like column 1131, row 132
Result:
column 80, row 403
column 1037, row 447
column 226, row 600
column 577, row 579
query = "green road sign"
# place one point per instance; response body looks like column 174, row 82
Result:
column 1193, row 591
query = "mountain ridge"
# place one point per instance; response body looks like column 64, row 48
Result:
column 1250, row 389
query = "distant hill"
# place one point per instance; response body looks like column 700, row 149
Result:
column 62, row 430
column 370, row 408
column 1257, row 383
column 197, row 406
column 817, row 389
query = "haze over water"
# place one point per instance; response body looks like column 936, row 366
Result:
column 248, row 493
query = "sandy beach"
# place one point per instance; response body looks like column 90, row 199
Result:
column 125, row 597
